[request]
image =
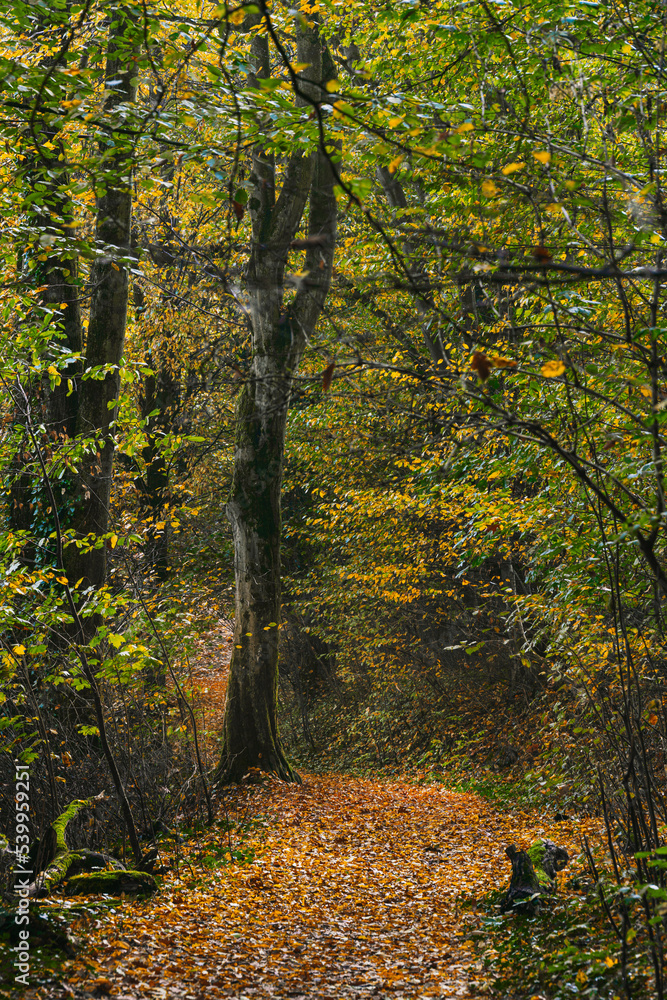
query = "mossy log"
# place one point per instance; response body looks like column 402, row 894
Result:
column 113, row 883
column 66, row 864
column 533, row 875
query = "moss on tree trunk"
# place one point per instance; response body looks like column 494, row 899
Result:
column 57, row 857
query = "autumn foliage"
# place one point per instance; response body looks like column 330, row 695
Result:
column 396, row 309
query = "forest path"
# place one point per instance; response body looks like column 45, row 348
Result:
column 352, row 894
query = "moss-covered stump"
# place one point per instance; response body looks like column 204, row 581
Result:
column 111, row 883
column 533, row 875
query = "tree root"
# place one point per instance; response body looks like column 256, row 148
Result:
column 239, row 770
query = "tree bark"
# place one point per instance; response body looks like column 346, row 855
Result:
column 99, row 389
column 279, row 335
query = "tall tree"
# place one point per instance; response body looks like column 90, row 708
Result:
column 280, row 331
column 99, row 389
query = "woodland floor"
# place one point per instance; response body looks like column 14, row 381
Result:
column 338, row 888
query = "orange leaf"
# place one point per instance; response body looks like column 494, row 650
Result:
column 481, row 364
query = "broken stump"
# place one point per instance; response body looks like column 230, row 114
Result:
column 533, row 875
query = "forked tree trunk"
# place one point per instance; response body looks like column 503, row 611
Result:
column 279, row 336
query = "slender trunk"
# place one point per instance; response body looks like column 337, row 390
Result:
column 161, row 392
column 99, row 390
column 279, row 335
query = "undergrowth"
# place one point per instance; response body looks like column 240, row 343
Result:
column 568, row 949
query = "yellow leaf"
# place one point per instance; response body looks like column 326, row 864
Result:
column 395, row 164
column 610, row 962
column 18, row 650
column 553, row 369
column 299, row 68
column 646, row 391
column 116, row 640
column 393, row 122
column 512, row 168
column 332, row 85
column 113, row 541
column 63, row 580
column 237, row 16
column 543, row 157
column 160, row 526
column 466, row 127
column 656, row 238
column 489, row 189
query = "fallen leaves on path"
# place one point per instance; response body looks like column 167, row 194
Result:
column 353, row 893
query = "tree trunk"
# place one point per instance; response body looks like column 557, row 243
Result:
column 162, row 392
column 99, row 390
column 279, row 335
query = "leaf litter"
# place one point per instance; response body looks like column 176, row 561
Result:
column 338, row 888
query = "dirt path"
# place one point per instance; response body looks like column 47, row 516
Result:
column 352, row 894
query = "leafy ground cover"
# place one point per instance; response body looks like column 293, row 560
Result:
column 341, row 887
